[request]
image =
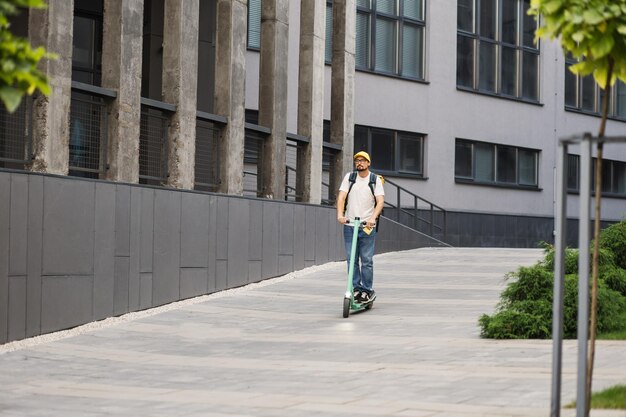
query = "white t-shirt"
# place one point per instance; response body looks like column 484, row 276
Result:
column 361, row 202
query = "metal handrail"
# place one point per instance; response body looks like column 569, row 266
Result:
column 413, row 210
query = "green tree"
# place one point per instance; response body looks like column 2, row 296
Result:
column 18, row 60
column 594, row 32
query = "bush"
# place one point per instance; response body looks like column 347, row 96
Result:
column 611, row 306
column 571, row 259
column 614, row 278
column 514, row 324
column 525, row 308
column 613, row 238
column 532, row 283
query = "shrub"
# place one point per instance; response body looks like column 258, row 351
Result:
column 525, row 308
column 532, row 283
column 513, row 324
column 611, row 306
column 614, row 278
column 571, row 259
column 613, row 238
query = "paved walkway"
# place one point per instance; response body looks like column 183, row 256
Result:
column 281, row 348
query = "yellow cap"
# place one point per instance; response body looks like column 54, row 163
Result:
column 364, row 155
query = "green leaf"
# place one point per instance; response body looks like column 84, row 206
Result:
column 602, row 46
column 11, row 97
column 582, row 68
column 592, row 16
column 622, row 29
column 552, row 6
column 578, row 36
column 600, row 75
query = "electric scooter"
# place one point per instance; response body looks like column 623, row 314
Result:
column 349, row 303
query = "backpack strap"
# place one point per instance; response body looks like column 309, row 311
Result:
column 352, row 179
column 372, row 183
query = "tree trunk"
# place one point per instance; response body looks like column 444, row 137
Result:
column 596, row 241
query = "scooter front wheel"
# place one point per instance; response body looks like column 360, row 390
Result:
column 346, row 307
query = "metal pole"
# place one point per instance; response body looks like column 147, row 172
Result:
column 559, row 278
column 583, row 273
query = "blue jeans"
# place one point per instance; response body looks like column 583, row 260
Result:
column 363, row 278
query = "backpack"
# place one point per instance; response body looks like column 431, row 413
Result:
column 371, row 184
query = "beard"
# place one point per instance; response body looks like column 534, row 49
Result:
column 361, row 168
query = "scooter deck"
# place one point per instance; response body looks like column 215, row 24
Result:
column 356, row 306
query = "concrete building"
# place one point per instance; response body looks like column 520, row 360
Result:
column 271, row 98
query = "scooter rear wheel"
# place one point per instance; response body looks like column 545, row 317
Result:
column 346, row 307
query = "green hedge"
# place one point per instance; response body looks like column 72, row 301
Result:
column 525, row 307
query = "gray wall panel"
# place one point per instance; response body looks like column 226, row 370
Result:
column 309, row 236
column 194, row 231
column 19, row 225
column 5, row 193
column 134, row 261
column 146, row 230
column 299, row 231
column 68, row 227
column 222, row 228
column 145, row 290
column 255, row 231
column 221, row 274
column 255, row 269
column 17, row 308
column 122, row 220
column 238, row 221
column 286, row 229
column 270, row 239
column 192, row 282
column 166, row 274
column 285, row 264
column 212, row 243
column 104, row 251
column 35, row 243
column 120, row 298
column 335, row 241
column 322, row 235
column 65, row 302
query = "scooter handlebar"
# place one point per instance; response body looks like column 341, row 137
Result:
column 356, row 222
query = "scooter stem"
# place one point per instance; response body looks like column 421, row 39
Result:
column 355, row 234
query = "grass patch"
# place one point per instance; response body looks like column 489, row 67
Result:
column 610, row 398
column 620, row 335
column 616, row 334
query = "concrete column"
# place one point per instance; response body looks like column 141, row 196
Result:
column 311, row 98
column 121, row 71
column 52, row 28
column 230, row 88
column 342, row 88
column 180, row 79
column 273, row 94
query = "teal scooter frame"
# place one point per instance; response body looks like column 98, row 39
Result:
column 349, row 304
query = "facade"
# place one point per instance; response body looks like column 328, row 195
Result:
column 459, row 108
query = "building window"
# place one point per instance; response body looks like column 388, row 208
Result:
column 392, row 151
column 496, row 53
column 254, row 24
column 488, row 163
column 613, row 176
column 328, row 49
column 390, row 37
column 583, row 94
column 87, row 42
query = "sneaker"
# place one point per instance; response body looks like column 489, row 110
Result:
column 356, row 296
column 365, row 297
